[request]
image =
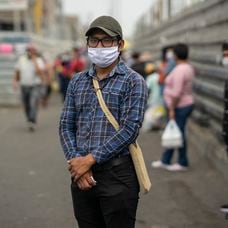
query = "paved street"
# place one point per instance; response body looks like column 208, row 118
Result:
column 34, row 181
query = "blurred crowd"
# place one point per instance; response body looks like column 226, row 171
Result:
column 38, row 74
column 154, row 73
column 67, row 64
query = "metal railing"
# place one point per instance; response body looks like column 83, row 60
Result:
column 204, row 28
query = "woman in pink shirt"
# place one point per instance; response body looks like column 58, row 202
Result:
column 178, row 96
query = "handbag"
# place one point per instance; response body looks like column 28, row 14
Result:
column 134, row 148
column 172, row 136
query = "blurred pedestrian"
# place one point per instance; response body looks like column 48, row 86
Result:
column 29, row 74
column 138, row 65
column 170, row 58
column 224, row 208
column 48, row 75
column 77, row 64
column 155, row 112
column 63, row 71
column 104, row 183
column 166, row 65
column 152, row 82
column 178, row 96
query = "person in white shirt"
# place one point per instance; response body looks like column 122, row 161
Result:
column 28, row 74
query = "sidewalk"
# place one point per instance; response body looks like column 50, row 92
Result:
column 35, row 182
column 184, row 199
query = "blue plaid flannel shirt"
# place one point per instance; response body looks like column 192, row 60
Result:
column 83, row 126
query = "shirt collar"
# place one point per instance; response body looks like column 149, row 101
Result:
column 120, row 68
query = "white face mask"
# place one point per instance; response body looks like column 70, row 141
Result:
column 169, row 55
column 103, row 57
column 225, row 62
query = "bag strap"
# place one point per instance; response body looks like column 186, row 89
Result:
column 103, row 105
column 134, row 148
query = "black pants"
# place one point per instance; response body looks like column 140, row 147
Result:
column 112, row 203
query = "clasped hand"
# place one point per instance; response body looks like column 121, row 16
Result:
column 80, row 169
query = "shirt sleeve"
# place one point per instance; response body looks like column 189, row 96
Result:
column 178, row 79
column 67, row 127
column 40, row 63
column 132, row 112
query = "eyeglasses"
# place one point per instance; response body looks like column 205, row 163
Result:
column 106, row 42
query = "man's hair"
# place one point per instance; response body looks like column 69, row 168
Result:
column 135, row 55
column 225, row 46
column 164, row 51
column 181, row 51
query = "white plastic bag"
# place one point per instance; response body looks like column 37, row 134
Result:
column 172, row 136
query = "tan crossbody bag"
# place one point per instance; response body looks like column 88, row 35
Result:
column 134, row 148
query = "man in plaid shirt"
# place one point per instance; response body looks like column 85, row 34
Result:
column 104, row 184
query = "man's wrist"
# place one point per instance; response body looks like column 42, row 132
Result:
column 91, row 159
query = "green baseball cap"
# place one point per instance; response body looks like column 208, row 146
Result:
column 107, row 24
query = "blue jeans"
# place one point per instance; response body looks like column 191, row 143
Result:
column 64, row 81
column 181, row 117
column 30, row 99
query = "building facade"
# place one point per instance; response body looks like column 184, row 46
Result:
column 41, row 17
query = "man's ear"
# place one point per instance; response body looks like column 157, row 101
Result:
column 121, row 45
